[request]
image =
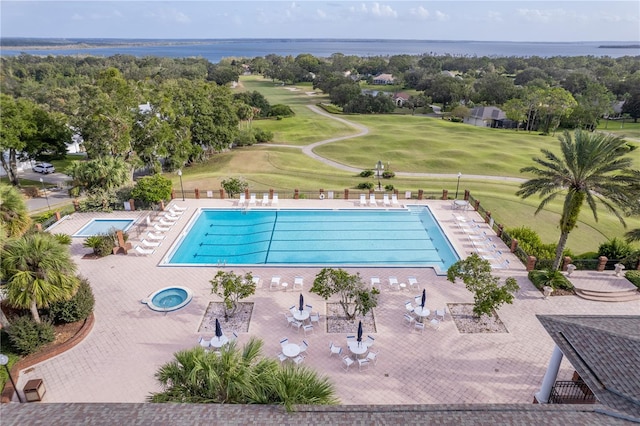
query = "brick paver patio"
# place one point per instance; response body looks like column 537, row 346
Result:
column 117, row 361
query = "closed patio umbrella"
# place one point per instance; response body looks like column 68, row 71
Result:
column 359, row 332
column 424, row 296
column 218, row 329
column 301, row 303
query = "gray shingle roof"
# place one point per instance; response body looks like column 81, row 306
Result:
column 605, row 351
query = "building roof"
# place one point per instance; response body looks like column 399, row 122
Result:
column 385, row 77
column 191, row 414
column 487, row 113
column 605, row 351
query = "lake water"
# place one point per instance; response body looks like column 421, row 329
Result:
column 215, row 50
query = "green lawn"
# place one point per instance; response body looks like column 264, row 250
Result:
column 625, row 128
column 410, row 144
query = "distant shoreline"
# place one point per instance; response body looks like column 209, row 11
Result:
column 619, row 46
column 100, row 45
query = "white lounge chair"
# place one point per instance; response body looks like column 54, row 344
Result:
column 375, row 281
column 274, row 201
column 161, row 228
column 153, row 236
column 165, row 223
column 394, row 200
column 170, row 218
column 265, row 199
column 275, row 282
column 372, row 200
column 298, row 283
column 143, row 252
column 412, row 281
column 175, row 212
column 150, row 243
column 385, row 200
column 242, row 200
column 363, row 200
column 178, row 208
column 252, row 200
column 393, row 281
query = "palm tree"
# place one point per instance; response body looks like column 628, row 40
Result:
column 239, row 376
column 14, row 216
column 592, row 169
column 39, row 271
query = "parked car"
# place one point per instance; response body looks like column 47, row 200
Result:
column 44, row 168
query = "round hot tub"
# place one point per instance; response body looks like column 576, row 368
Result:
column 169, row 298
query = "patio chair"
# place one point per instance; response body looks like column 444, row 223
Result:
column 370, row 340
column 394, row 200
column 408, row 319
column 363, row 200
column 149, row 244
column 363, row 363
column 275, row 282
column 408, row 306
column 351, row 339
column 435, row 324
column 252, row 200
column 233, row 337
column 299, row 359
column 314, row 317
column 242, row 199
column 165, row 223
column 393, row 281
column 372, row 200
column 284, row 342
column 412, row 281
column 143, row 251
column 204, row 342
column 175, row 212
column 290, row 319
column 333, row 349
column 170, row 218
column 373, row 357
column 161, row 228
column 348, row 362
column 440, row 314
column 419, row 327
column 307, row 329
column 304, row 346
column 375, row 281
column 178, row 208
column 308, row 308
column 407, row 195
column 153, row 236
column 265, row 199
column 297, row 324
column 256, row 281
column 274, row 201
column 385, row 200
column 282, row 357
column 298, row 282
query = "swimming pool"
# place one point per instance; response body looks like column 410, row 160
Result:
column 410, row 237
column 103, row 226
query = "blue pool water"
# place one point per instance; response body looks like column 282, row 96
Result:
column 314, row 237
column 103, row 226
column 169, row 299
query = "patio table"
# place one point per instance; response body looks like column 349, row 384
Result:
column 358, row 349
column 291, row 350
column 300, row 315
column 421, row 312
column 218, row 343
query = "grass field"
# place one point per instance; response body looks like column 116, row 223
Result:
column 410, row 144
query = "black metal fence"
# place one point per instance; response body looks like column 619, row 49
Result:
column 571, row 392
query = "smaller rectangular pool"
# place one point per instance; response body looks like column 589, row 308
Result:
column 104, row 226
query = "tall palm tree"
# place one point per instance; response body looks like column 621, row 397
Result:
column 239, row 376
column 14, row 216
column 39, row 270
column 591, row 168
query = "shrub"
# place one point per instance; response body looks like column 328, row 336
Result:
column 280, row 111
column 551, row 278
column 27, row 336
column 245, row 137
column 262, row 136
column 152, row 189
column 588, row 255
column 388, row 174
column 365, row 185
column 78, row 308
column 615, row 249
column 63, row 239
column 366, row 173
column 389, row 188
column 530, row 242
column 634, row 277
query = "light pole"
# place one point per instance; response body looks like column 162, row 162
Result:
column 458, row 185
column 4, row 360
column 379, row 167
column 181, row 187
column 45, row 193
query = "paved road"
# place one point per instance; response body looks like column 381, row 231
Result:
column 54, row 198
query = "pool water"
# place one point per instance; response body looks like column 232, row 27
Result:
column 169, row 299
column 409, row 237
column 104, row 226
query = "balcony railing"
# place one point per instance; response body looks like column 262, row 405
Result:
column 571, row 392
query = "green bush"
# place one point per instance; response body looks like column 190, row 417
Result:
column 64, row 239
column 551, row 278
column 78, row 308
column 615, row 249
column 262, row 136
column 389, row 188
column 388, row 174
column 280, row 111
column 530, row 242
column 634, row 277
column 366, row 173
column 26, row 335
column 588, row 255
column 365, row 185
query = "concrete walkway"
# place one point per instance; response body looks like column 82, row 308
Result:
column 129, row 342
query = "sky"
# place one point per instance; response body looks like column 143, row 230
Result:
column 502, row 20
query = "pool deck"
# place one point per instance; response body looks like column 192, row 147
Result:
column 129, row 341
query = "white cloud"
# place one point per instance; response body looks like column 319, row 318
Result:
column 494, row 16
column 540, row 15
column 440, row 16
column 420, row 12
column 383, row 10
column 170, row 15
